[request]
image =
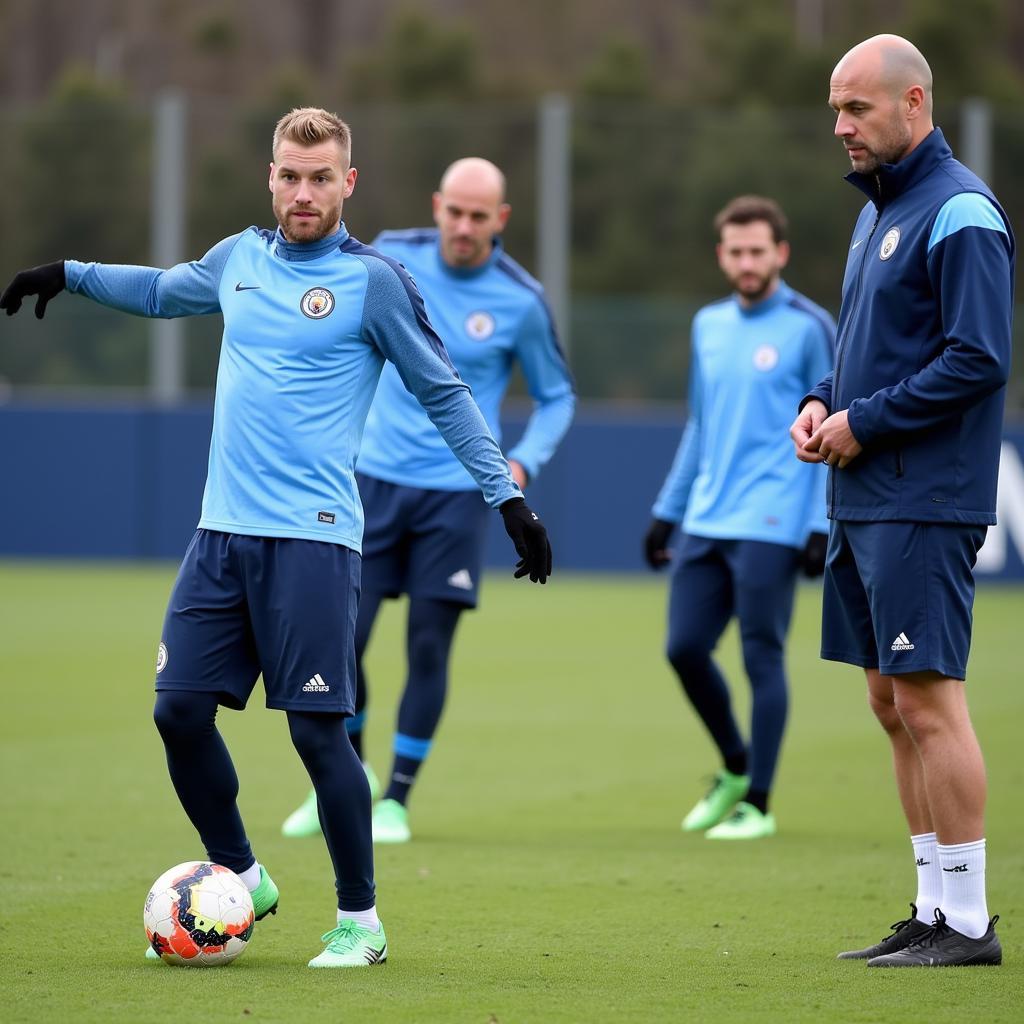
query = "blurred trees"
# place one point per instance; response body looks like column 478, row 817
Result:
column 676, row 108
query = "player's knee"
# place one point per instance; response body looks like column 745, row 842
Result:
column 687, row 653
column 316, row 737
column 919, row 717
column 884, row 709
column 182, row 716
column 428, row 654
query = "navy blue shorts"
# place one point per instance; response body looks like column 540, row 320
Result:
column 899, row 596
column 422, row 543
column 245, row 605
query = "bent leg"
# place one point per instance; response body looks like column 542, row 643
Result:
column 700, row 604
column 430, row 633
column 343, row 800
column 764, row 582
column 369, row 605
column 203, row 775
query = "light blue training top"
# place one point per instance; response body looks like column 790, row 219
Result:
column 735, row 476
column 307, row 328
column 490, row 317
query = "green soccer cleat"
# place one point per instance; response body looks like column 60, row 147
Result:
column 265, row 898
column 352, row 945
column 304, row 820
column 717, row 802
column 391, row 823
column 746, row 822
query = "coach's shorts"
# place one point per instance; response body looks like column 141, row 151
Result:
column 245, row 605
column 421, row 542
column 899, row 596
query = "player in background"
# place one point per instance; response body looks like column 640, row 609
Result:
column 270, row 581
column 911, row 423
column 425, row 521
column 751, row 520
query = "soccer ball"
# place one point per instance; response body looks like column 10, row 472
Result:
column 199, row 914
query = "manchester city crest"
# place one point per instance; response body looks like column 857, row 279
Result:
column 161, row 657
column 479, row 325
column 889, row 243
column 317, row 303
column 766, row 358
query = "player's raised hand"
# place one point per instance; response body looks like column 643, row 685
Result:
column 46, row 281
column 656, row 543
column 530, row 539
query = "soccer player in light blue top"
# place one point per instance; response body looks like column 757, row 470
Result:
column 270, row 582
column 750, row 519
column 426, row 523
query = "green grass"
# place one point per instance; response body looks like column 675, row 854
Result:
column 548, row 880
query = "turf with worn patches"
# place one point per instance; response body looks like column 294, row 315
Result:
column 548, row 880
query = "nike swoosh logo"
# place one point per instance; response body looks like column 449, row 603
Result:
column 855, row 244
column 245, row 287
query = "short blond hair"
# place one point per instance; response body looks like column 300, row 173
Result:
column 309, row 126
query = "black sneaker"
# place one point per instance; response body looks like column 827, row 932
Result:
column 943, row 946
column 903, row 934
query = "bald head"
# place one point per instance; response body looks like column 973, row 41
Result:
column 882, row 93
column 470, row 210
column 895, row 63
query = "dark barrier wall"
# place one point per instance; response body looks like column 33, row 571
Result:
column 126, row 482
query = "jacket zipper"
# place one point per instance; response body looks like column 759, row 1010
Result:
column 842, row 348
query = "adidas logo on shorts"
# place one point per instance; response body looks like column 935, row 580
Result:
column 902, row 643
column 461, row 580
column 316, row 685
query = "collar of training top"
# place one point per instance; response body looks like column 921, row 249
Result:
column 298, row 252
column 890, row 180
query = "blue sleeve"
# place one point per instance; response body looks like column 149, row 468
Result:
column 675, row 491
column 969, row 266
column 550, row 385
column 821, row 392
column 395, row 320
column 185, row 290
column 821, row 348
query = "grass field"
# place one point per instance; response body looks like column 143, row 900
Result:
column 548, row 880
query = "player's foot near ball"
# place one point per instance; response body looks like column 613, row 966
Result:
column 745, row 822
column 391, row 823
column 717, row 802
column 903, row 934
column 304, row 820
column 264, row 896
column 352, row 945
column 943, row 946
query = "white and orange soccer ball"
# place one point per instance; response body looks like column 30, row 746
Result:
column 199, row 914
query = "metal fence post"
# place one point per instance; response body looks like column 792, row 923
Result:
column 976, row 132
column 166, row 347
column 554, row 155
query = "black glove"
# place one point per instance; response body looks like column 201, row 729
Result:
column 812, row 561
column 656, row 543
column 530, row 538
column 45, row 281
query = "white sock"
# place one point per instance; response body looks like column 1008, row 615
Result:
column 366, row 918
column 963, row 887
column 929, row 876
column 251, row 876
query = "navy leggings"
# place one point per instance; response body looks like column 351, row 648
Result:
column 755, row 581
column 207, row 786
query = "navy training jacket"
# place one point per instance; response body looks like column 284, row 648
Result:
column 923, row 346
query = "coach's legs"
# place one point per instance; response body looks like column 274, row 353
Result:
column 906, row 760
column 429, row 637
column 700, row 605
column 343, row 801
column 369, row 605
column 933, row 709
column 202, row 773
